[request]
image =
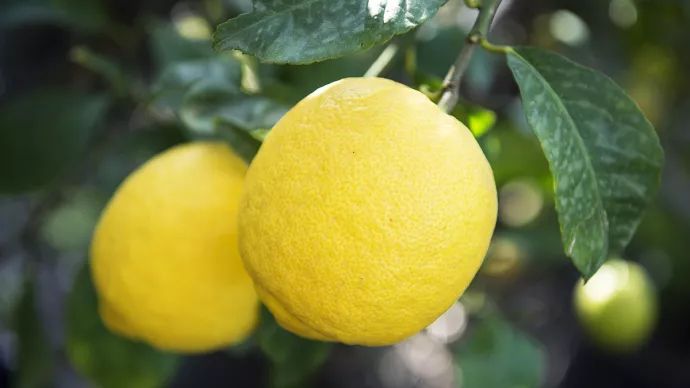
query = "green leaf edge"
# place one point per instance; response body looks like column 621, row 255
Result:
column 589, row 271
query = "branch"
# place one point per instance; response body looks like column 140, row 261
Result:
column 477, row 35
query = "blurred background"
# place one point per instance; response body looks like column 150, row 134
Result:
column 90, row 89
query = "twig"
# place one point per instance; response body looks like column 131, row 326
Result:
column 477, row 35
column 384, row 61
column 400, row 44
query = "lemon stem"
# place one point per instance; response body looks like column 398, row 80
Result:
column 477, row 36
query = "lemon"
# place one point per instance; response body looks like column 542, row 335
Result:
column 164, row 255
column 366, row 213
column 617, row 307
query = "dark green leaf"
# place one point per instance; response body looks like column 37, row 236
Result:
column 108, row 360
column 244, row 143
column 294, row 359
column 43, row 132
column 34, row 356
column 208, row 102
column 88, row 15
column 213, row 110
column 604, row 154
column 177, row 78
column 497, row 356
column 304, row 31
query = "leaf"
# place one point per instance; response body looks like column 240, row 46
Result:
column 497, row 356
column 177, row 78
column 304, row 31
column 212, row 110
column 43, row 133
column 208, row 102
column 34, row 356
column 87, row 15
column 479, row 120
column 604, row 154
column 244, row 143
column 109, row 360
column 294, row 359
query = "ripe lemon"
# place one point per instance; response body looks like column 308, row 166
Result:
column 617, row 307
column 164, row 255
column 366, row 213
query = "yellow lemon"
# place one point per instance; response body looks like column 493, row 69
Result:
column 164, row 255
column 617, row 307
column 366, row 213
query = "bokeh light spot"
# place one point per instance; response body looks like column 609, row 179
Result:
column 623, row 13
column 450, row 326
column 519, row 202
column 568, row 28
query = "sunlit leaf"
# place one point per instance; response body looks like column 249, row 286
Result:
column 479, row 120
column 294, row 359
column 109, row 360
column 604, row 154
column 497, row 356
column 43, row 133
column 303, row 31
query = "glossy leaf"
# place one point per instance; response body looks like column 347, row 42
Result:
column 304, row 31
column 604, row 154
column 107, row 359
column 43, row 133
column 294, row 359
column 495, row 355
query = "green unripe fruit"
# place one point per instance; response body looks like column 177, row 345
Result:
column 617, row 307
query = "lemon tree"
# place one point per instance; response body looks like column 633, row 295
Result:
column 291, row 171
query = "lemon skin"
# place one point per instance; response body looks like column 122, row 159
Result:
column 366, row 213
column 164, row 256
